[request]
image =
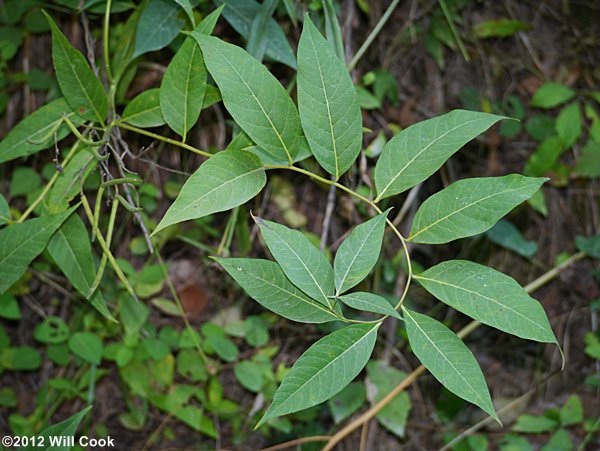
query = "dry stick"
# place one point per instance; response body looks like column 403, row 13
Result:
column 369, row 414
column 298, row 441
column 327, row 219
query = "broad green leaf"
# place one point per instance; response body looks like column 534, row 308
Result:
column 550, row 95
column 19, row 142
column 545, row 157
column 68, row 183
column 20, row 358
column 86, row 345
column 324, row 370
column 5, row 215
column 21, row 243
column 249, row 375
column 258, row 37
column 418, row 151
column 83, row 91
column 144, row 110
column 568, row 124
column 560, row 441
column 184, row 82
column 347, row 401
column 66, row 428
column 226, row 180
column 381, row 380
column 470, row 206
column 448, row 359
column 369, row 302
column 265, row 282
column 358, row 254
column 488, row 296
column 71, row 249
column 300, row 260
column 9, row 307
column 187, row 7
column 531, row 424
column 157, row 26
column 505, row 234
column 254, row 97
column 241, row 13
column 53, row 330
column 590, row 245
column 24, row 180
column 328, row 104
column 572, row 412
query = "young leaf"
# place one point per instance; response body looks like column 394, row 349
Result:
column 300, row 260
column 254, row 97
column 83, row 91
column 184, row 83
column 157, row 26
column 358, row 254
column 488, row 296
column 86, row 345
column 21, row 243
column 266, row 283
column 369, row 302
column 550, row 95
column 144, row 110
column 418, row 151
column 324, row 369
column 470, row 206
column 328, row 104
column 21, row 140
column 241, row 13
column 448, row 359
column 71, row 249
column 226, row 180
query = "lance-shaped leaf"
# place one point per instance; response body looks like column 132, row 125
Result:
column 265, row 282
column 324, row 369
column 448, row 359
column 226, row 180
column 358, row 253
column 157, row 26
column 187, row 7
column 369, row 302
column 184, row 83
column 22, row 140
column 21, row 243
column 65, row 428
column 418, row 151
column 71, row 249
column 254, row 97
column 328, row 104
column 300, row 260
column 488, row 296
column 241, row 13
column 80, row 86
column 144, row 110
column 470, row 206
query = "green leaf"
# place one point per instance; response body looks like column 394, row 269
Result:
column 19, row 142
column 184, row 82
column 421, row 149
column 572, row 412
column 381, row 380
column 545, row 158
column 157, row 26
column 550, row 95
column 328, row 104
column 588, row 164
column 5, row 215
column 71, row 249
column 470, row 206
column 448, row 359
column 226, row 180
column 24, row 180
column 83, row 91
column 505, row 234
column 241, row 13
column 68, row 183
column 300, row 260
column 21, row 243
column 369, row 302
column 324, row 370
column 568, row 124
column 560, row 441
column 224, row 347
column 249, row 375
column 187, row 7
column 347, row 401
column 332, row 29
column 265, row 282
column 87, row 346
column 358, row 254
column 499, row 28
column 66, row 428
column 590, row 245
column 258, row 38
column 53, row 330
column 20, row 358
column 488, row 296
column 9, row 307
column 254, row 97
column 531, row 424
column 144, row 110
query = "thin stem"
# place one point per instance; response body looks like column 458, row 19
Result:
column 83, row 139
column 109, row 233
column 105, row 40
column 298, row 441
column 369, row 414
column 363, row 48
column 162, row 138
column 454, row 31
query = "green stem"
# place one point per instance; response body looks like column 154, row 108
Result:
column 109, row 233
column 162, row 138
column 105, row 41
column 454, row 31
